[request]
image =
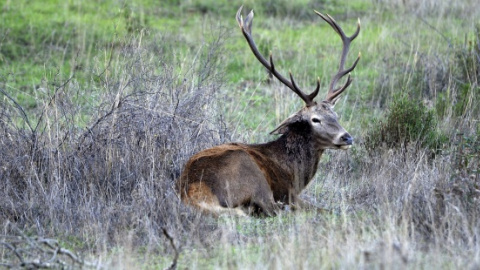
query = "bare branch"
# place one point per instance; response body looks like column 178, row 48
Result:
column 20, row 108
column 175, row 258
column 39, row 253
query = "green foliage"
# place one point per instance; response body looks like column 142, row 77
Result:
column 407, row 121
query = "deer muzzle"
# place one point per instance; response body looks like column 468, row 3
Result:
column 346, row 141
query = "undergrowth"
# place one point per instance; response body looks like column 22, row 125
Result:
column 115, row 176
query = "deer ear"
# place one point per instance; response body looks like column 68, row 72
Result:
column 284, row 126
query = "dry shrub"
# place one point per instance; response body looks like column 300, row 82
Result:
column 113, row 177
column 404, row 189
column 39, row 253
column 437, row 199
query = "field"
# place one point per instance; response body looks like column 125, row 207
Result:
column 103, row 102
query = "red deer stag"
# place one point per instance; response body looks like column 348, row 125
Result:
column 263, row 178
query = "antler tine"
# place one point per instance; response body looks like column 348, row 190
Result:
column 333, row 93
column 246, row 27
column 315, row 92
column 332, row 96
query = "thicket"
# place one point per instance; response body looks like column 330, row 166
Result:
column 94, row 181
column 433, row 89
column 436, row 117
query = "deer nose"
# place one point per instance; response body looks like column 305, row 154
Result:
column 347, row 139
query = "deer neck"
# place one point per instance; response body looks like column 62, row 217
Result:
column 296, row 153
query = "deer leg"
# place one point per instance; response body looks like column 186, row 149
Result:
column 263, row 199
column 268, row 209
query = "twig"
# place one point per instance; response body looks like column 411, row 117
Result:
column 31, row 254
column 20, row 108
column 14, row 250
column 58, row 250
column 52, row 98
column 175, row 258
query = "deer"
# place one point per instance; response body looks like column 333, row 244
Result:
column 267, row 178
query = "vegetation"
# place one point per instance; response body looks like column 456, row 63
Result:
column 102, row 103
column 407, row 122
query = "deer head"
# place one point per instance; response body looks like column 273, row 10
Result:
column 318, row 117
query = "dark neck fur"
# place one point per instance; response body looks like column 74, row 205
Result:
column 295, row 152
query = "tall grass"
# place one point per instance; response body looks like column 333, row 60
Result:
column 93, row 163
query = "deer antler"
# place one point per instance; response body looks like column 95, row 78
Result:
column 333, row 93
column 246, row 26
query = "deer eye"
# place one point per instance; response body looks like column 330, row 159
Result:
column 316, row 120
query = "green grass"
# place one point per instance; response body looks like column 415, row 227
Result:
column 73, row 38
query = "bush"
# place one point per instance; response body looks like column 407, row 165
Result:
column 407, row 122
column 115, row 173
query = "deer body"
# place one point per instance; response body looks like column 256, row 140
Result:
column 263, row 178
column 259, row 176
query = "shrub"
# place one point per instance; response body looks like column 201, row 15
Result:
column 408, row 121
column 115, row 173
